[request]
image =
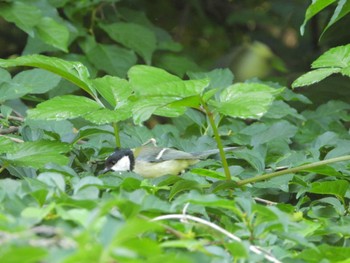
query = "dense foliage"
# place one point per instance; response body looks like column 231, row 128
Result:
column 83, row 77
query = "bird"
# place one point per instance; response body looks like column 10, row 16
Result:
column 151, row 161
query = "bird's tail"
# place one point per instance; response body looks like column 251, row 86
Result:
column 205, row 154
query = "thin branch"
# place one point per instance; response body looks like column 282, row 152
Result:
column 9, row 130
column 263, row 177
column 15, row 118
column 12, row 139
column 183, row 218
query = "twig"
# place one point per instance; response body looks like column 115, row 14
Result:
column 12, row 139
column 15, row 118
column 263, row 177
column 264, row 201
column 184, row 217
column 11, row 129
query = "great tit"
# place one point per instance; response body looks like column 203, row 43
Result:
column 151, row 161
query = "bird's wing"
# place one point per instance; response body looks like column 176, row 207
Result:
column 164, row 154
column 205, row 154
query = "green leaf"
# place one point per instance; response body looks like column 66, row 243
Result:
column 151, row 81
column 110, row 58
column 338, row 57
column 25, row 16
column 337, row 188
column 29, row 254
column 6, row 145
column 36, row 81
column 183, row 185
column 144, row 108
column 245, row 100
column 74, row 72
column 314, row 76
column 177, row 64
column 113, row 89
column 316, row 7
column 104, row 116
column 342, row 9
column 38, row 154
column 63, row 107
column 134, row 36
column 53, row 33
column 325, row 252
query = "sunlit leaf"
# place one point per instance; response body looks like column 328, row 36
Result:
column 63, row 107
column 245, row 100
column 74, row 72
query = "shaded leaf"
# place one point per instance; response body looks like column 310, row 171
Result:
column 130, row 35
column 25, row 16
column 38, row 154
column 53, row 33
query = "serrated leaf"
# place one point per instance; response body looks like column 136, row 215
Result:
column 337, row 188
column 151, row 81
column 245, row 100
column 53, row 33
column 74, row 72
column 134, row 36
column 144, row 108
column 63, row 107
column 113, row 89
column 25, row 16
column 183, row 185
column 25, row 253
column 6, row 145
column 338, row 57
column 104, row 116
column 314, row 76
column 38, row 154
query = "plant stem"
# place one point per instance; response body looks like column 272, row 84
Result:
column 116, row 134
column 292, row 170
column 218, row 142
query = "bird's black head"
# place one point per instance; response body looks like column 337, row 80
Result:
column 120, row 160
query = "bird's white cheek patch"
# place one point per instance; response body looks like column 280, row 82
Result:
column 122, row 165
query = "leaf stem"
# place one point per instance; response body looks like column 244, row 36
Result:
column 292, row 170
column 218, row 141
column 116, row 134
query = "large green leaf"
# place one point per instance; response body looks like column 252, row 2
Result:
column 38, row 154
column 338, row 57
column 335, row 60
column 6, row 145
column 337, row 188
column 314, row 76
column 110, row 58
column 134, row 36
column 25, row 16
column 63, row 107
column 105, row 116
column 151, row 81
column 74, row 72
column 113, row 89
column 245, row 100
column 53, row 33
